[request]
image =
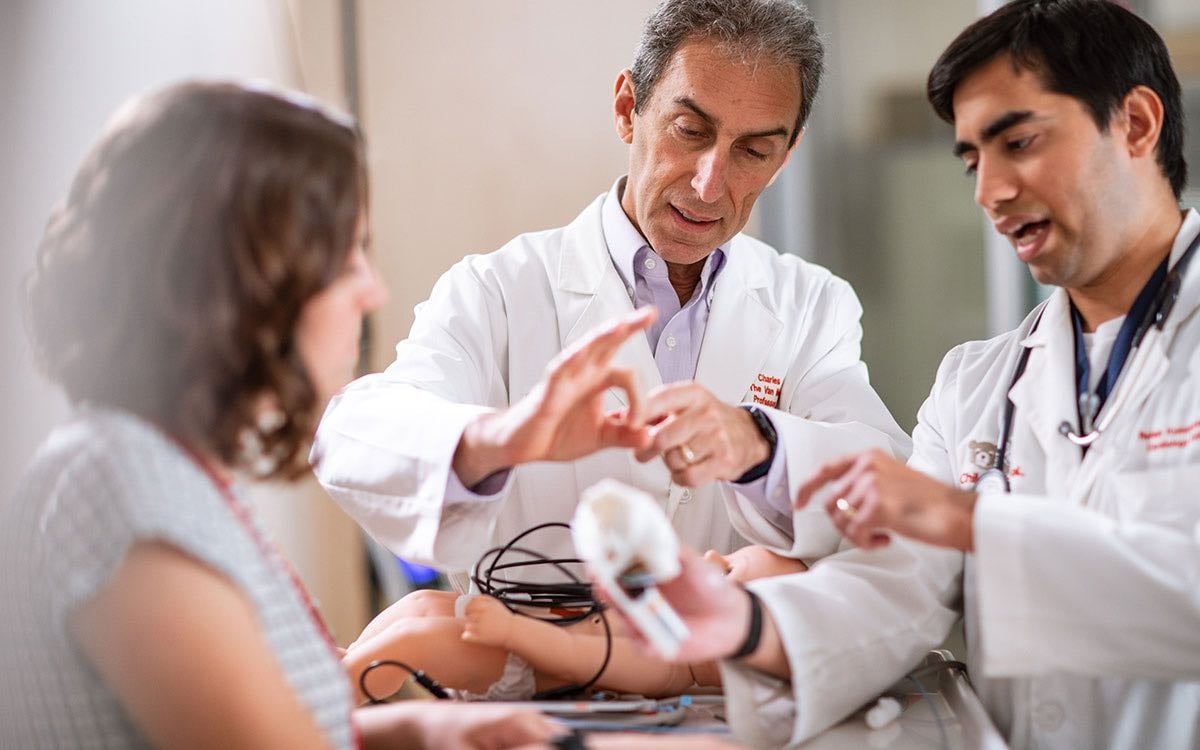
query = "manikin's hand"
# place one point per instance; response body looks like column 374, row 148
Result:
column 879, row 494
column 488, row 621
column 699, row 437
column 563, row 417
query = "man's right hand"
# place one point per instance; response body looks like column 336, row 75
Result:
column 563, row 417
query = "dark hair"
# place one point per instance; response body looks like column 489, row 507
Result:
column 171, row 278
column 779, row 30
column 1093, row 50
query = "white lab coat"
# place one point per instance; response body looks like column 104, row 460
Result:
column 483, row 340
column 1082, row 599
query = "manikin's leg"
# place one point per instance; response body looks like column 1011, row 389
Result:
column 420, row 603
column 432, row 644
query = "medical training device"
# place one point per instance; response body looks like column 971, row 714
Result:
column 1149, row 313
column 629, row 546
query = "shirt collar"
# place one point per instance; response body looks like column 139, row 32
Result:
column 1187, row 232
column 624, row 241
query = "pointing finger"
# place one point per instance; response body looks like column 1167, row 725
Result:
column 826, row 474
column 602, row 344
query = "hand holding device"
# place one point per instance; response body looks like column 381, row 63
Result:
column 629, row 546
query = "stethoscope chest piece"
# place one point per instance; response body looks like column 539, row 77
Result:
column 992, row 482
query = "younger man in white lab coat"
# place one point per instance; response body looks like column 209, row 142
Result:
column 1082, row 565
column 528, row 375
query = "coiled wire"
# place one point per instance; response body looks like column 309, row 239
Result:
column 491, row 575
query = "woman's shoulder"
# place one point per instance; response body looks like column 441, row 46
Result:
column 106, row 479
column 112, row 457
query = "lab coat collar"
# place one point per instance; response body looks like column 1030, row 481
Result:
column 583, row 256
column 1045, row 395
column 622, row 238
column 592, row 293
column 1189, row 292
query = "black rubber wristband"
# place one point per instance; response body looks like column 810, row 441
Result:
column 754, row 634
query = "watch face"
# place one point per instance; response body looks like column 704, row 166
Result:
column 991, row 481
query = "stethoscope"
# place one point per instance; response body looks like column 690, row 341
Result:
column 1149, row 312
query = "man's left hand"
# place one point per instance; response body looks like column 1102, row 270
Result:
column 872, row 493
column 699, row 437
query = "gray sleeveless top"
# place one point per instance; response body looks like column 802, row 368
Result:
column 97, row 486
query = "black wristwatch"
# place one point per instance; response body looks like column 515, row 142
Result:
column 767, row 430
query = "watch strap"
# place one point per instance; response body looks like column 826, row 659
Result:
column 767, row 430
column 754, row 632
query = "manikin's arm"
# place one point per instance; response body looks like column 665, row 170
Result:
column 574, row 656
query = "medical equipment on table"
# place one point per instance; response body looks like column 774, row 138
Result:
column 1149, row 312
column 628, row 544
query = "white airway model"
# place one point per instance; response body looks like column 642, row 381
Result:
column 628, row 544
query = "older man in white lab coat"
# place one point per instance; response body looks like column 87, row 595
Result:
column 1063, row 458
column 516, row 389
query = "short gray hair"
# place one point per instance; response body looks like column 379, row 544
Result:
column 779, row 30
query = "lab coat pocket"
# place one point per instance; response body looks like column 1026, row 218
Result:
column 1163, row 496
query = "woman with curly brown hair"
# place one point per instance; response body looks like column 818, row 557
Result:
column 199, row 295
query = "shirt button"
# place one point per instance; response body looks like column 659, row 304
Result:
column 650, row 263
column 629, row 291
column 671, row 342
column 685, row 496
column 1049, row 716
column 778, row 493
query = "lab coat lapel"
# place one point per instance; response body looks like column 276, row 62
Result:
column 1045, row 395
column 591, row 294
column 1159, row 350
column 741, row 329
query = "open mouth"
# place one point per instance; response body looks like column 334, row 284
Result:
column 1027, row 233
column 1028, row 238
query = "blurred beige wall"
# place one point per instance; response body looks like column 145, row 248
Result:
column 484, row 120
column 68, row 65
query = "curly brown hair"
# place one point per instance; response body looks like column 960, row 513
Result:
column 170, row 280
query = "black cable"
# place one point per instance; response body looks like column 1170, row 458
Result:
column 573, row 594
column 422, row 679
